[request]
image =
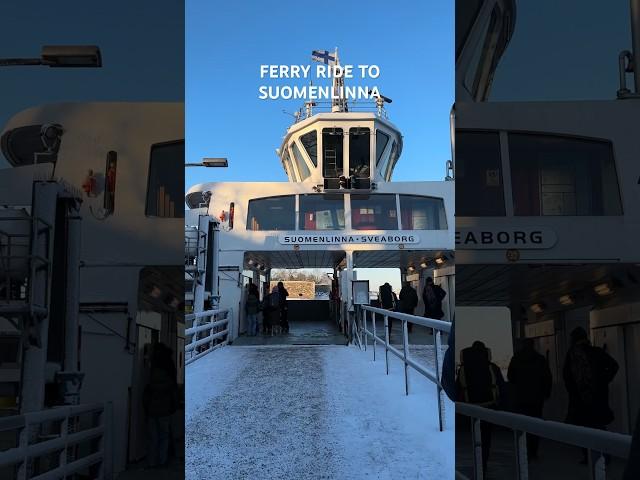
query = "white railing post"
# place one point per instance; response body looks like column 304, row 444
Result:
column 375, row 334
column 107, row 452
column 437, row 345
column 386, row 342
column 597, row 466
column 24, row 470
column 476, row 441
column 366, row 334
column 405, row 348
column 64, row 431
column 522, row 463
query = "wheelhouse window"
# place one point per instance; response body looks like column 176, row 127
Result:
column 321, row 212
column 303, row 169
column 479, row 188
column 422, row 213
column 374, row 212
column 310, row 144
column 391, row 163
column 288, row 165
column 332, row 152
column 359, row 152
column 382, row 140
column 166, row 181
column 272, row 213
column 556, row 175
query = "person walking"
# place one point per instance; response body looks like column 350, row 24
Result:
column 160, row 401
column 432, row 296
column 385, row 296
column 480, row 382
column 284, row 307
column 408, row 301
column 252, row 307
column 530, row 376
column 587, row 373
column 272, row 310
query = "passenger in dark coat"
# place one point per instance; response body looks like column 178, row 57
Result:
column 408, row 301
column 587, row 373
column 530, row 376
column 284, row 307
column 432, row 296
column 160, row 401
column 385, row 295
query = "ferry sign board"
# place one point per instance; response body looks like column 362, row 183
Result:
column 505, row 238
column 349, row 239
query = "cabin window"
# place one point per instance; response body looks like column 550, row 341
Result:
column 165, row 192
column 374, row 212
column 303, row 168
column 332, row 152
column 479, row 188
column 288, row 165
column 393, row 158
column 310, row 144
column 382, row 140
column 272, row 213
column 321, row 212
column 359, row 152
column 556, row 175
column 422, row 213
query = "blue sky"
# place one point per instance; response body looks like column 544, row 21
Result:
column 226, row 42
column 142, row 51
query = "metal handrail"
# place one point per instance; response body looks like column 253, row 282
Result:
column 32, row 446
column 207, row 321
column 437, row 326
column 598, row 442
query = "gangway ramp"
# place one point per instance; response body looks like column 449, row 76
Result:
column 316, row 412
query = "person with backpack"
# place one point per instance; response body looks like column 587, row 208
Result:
column 408, row 301
column 480, row 382
column 272, row 310
column 252, row 306
column 432, row 296
column 587, row 373
column 385, row 296
column 530, row 376
column 284, row 308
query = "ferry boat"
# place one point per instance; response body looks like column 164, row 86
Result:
column 339, row 210
column 98, row 187
column 547, row 209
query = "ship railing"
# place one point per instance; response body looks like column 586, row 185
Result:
column 364, row 328
column 16, row 259
column 209, row 330
column 59, row 442
column 598, row 443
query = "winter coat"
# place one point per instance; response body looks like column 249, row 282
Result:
column 408, row 299
column 587, row 372
column 253, row 304
column 530, row 377
column 433, row 303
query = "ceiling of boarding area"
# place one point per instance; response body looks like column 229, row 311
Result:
column 293, row 259
column 507, row 285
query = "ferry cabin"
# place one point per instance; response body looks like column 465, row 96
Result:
column 339, row 211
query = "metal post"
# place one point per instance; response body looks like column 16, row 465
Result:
column 364, row 321
column 405, row 349
column 437, row 346
column 201, row 263
column 520, row 439
column 597, row 466
column 211, row 319
column 476, row 441
column 45, row 196
column 386, row 342
column 375, row 338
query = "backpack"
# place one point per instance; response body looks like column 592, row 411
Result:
column 477, row 379
column 274, row 300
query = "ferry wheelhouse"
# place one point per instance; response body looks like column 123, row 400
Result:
column 340, row 210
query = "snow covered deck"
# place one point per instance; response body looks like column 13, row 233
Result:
column 312, row 412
